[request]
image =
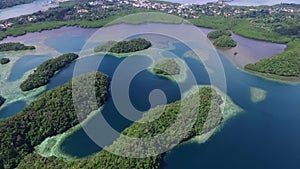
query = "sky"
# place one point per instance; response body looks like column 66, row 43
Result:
column 242, row 2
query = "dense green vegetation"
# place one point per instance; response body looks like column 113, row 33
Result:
column 276, row 27
column 225, row 42
column 132, row 45
column 54, row 18
column 209, row 114
column 105, row 47
column 282, row 64
column 218, row 33
column 11, row 3
column 51, row 114
column 167, row 67
column 14, row 46
column 222, row 38
column 42, row 75
column 254, row 28
column 2, row 100
column 4, row 61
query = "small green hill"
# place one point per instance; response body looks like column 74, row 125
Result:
column 218, row 33
column 167, row 67
column 133, row 45
column 225, row 42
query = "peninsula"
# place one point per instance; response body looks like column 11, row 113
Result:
column 282, row 65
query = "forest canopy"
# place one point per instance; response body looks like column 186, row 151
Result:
column 14, row 46
column 132, row 45
column 282, row 64
column 51, row 114
column 218, row 33
column 42, row 75
column 167, row 67
column 208, row 116
column 225, row 42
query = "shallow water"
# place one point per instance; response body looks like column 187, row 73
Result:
column 266, row 135
column 25, row 64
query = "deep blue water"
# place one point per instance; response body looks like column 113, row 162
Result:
column 265, row 136
column 140, row 88
column 12, row 109
column 25, row 64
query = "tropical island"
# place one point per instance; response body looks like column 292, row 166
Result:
column 218, row 33
column 225, row 42
column 14, row 46
column 52, row 113
column 208, row 98
column 4, row 61
column 167, row 67
column 42, row 75
column 132, row 45
column 2, row 100
column 222, row 39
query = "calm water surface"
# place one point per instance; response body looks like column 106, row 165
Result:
column 265, row 136
column 25, row 64
column 25, row 9
column 12, row 109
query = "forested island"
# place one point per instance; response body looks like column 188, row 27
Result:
column 42, row 75
column 218, row 33
column 14, row 46
column 225, row 42
column 52, row 113
column 221, row 38
column 167, row 67
column 2, row 100
column 132, row 45
column 4, row 61
column 11, row 3
column 209, row 106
